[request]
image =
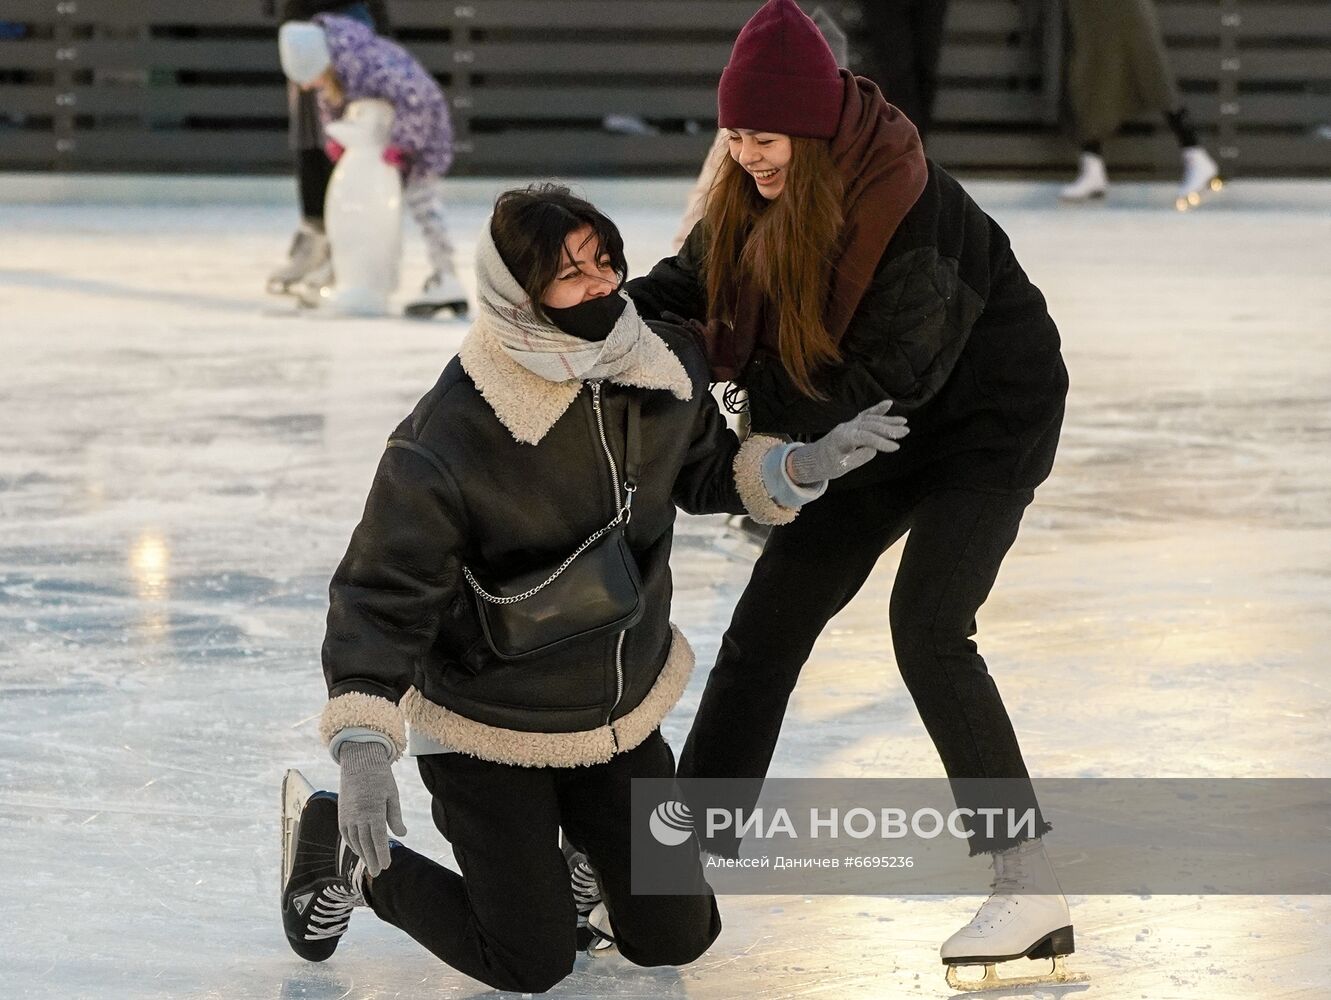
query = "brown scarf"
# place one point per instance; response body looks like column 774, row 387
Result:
column 878, row 153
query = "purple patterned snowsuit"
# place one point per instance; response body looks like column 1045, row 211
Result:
column 370, row 66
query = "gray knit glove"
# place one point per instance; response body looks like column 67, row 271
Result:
column 367, row 803
column 847, row 446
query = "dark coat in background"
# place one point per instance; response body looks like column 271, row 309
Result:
column 1118, row 67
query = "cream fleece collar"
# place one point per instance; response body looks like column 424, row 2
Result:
column 528, row 405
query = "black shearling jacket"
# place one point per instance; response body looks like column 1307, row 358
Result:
column 518, row 472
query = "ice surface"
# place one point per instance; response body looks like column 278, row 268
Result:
column 182, row 463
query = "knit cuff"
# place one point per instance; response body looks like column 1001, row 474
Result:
column 780, row 486
column 362, row 758
column 358, row 734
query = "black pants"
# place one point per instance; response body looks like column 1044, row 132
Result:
column 509, row 919
column 808, row 571
column 900, row 42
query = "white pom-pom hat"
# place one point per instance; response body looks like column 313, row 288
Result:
column 304, row 51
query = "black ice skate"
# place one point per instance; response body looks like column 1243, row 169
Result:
column 321, row 876
column 601, row 932
column 586, row 896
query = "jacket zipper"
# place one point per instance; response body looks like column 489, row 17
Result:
column 619, row 506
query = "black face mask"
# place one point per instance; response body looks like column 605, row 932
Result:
column 591, row 320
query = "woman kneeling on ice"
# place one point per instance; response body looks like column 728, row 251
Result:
column 564, row 413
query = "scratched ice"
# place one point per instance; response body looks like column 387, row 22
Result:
column 182, row 464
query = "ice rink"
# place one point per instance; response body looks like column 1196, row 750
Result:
column 183, row 459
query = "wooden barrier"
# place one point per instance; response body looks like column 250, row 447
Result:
column 180, row 85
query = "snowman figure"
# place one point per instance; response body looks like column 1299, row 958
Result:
column 363, row 213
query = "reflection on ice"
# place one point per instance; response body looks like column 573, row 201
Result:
column 183, row 464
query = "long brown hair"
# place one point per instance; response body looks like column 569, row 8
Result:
column 786, row 247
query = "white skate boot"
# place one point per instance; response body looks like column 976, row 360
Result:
column 1026, row 917
column 309, row 250
column 1200, row 174
column 1091, row 182
column 440, row 292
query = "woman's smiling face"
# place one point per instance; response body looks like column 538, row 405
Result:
column 763, row 155
column 586, row 272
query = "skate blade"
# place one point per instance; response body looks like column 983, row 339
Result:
column 1095, row 197
column 296, row 790
column 431, row 310
column 991, row 980
column 1194, row 199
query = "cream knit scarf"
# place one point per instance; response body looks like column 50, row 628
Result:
column 531, row 371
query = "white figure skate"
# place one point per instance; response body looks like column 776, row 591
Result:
column 309, row 251
column 1092, row 181
column 1200, row 174
column 363, row 213
column 441, row 293
column 1026, row 917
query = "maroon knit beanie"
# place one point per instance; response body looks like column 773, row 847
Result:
column 781, row 77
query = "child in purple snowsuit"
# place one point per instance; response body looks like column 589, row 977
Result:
column 348, row 62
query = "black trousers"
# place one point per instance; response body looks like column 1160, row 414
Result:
column 313, row 168
column 509, row 919
column 808, row 571
column 900, row 43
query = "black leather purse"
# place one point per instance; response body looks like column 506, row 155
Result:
column 596, row 591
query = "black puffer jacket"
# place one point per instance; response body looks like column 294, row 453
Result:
column 403, row 624
column 950, row 329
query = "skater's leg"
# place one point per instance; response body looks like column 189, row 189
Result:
column 957, row 542
column 309, row 247
column 1200, row 171
column 887, row 42
column 928, row 22
column 808, row 571
column 425, row 200
column 313, row 170
column 508, row 920
column 442, row 289
column 648, row 930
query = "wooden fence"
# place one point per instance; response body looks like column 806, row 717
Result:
column 195, row 86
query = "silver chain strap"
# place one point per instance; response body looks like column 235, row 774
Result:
column 625, row 514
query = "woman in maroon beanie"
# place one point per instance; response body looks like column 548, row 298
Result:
column 836, row 267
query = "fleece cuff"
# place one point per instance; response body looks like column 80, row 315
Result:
column 751, row 484
column 364, row 712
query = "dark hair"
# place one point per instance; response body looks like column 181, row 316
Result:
column 529, row 228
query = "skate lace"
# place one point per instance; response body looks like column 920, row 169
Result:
column 1009, row 876
column 331, row 912
column 586, row 891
